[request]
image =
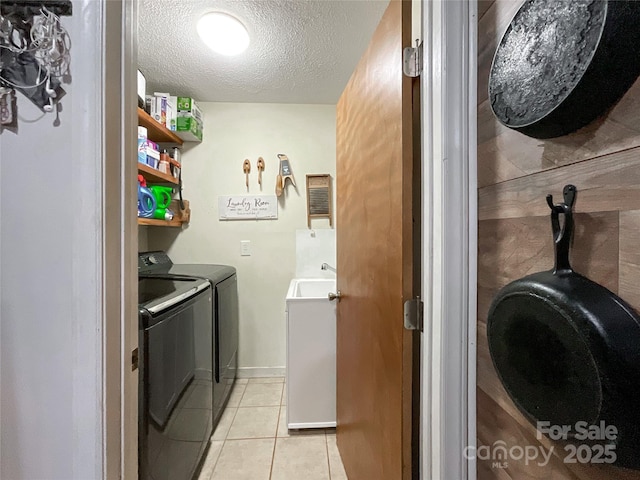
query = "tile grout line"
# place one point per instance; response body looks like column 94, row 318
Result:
column 254, row 407
column 236, row 412
column 244, row 390
column 234, row 415
column 248, row 438
column 326, row 446
column 260, row 406
column 280, row 411
column 224, row 441
column 215, row 464
column 275, row 440
column 227, row 439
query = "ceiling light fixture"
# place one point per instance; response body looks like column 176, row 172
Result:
column 223, row 33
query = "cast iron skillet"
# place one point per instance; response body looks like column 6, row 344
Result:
column 566, row 349
column 561, row 64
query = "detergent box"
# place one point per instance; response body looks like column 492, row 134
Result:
column 189, row 129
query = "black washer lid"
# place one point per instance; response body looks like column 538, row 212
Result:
column 154, row 291
column 212, row 272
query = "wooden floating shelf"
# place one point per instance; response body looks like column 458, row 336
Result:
column 153, row 175
column 159, row 223
column 159, row 134
column 155, row 131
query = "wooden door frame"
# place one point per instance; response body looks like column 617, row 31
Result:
column 449, row 241
column 449, row 238
column 119, row 239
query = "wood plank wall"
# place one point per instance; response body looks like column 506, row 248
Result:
column 515, row 173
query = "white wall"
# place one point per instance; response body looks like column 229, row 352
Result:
column 50, row 295
column 313, row 248
column 143, row 238
column 233, row 132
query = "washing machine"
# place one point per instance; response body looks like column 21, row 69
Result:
column 175, row 408
column 225, row 314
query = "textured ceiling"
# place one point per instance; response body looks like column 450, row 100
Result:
column 301, row 51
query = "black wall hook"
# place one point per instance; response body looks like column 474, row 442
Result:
column 562, row 235
column 569, row 192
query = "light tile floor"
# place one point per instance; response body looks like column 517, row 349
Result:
column 251, row 442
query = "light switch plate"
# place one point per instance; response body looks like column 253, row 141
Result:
column 245, row 248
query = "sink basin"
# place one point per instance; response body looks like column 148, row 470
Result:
column 310, row 288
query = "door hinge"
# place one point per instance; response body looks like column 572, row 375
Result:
column 412, row 60
column 134, row 360
column 413, row 314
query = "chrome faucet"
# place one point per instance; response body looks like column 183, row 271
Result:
column 326, row 266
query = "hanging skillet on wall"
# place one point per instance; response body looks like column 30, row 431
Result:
column 567, row 350
column 561, row 64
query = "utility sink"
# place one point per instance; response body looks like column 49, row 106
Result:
column 311, row 354
column 300, row 288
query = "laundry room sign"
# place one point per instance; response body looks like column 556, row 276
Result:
column 247, row 207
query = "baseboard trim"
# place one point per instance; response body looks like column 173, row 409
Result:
column 260, row 372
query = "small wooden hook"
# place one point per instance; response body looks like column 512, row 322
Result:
column 246, row 168
column 260, row 169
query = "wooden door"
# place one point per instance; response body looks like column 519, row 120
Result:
column 376, row 239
